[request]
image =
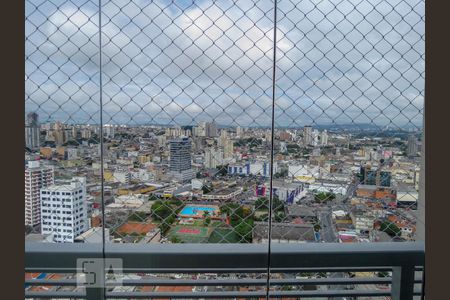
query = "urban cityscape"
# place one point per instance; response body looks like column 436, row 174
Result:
column 211, row 184
column 208, row 184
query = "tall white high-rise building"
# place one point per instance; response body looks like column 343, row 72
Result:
column 109, row 131
column 239, row 131
column 36, row 177
column 213, row 158
column 307, row 135
column 175, row 132
column 226, row 144
column 228, row 148
column 64, row 210
column 180, row 159
column 200, row 130
column 211, row 129
column 74, row 132
column 32, row 131
column 223, row 134
column 324, row 138
column 86, row 133
column 412, row 146
column 315, row 137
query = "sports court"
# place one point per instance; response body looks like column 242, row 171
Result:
column 191, row 234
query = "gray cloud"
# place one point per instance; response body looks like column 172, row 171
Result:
column 178, row 62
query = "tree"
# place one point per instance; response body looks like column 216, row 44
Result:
column 324, row 196
column 152, row 197
column 262, row 203
column 244, row 229
column 165, row 224
column 207, row 188
column 262, row 218
column 383, row 274
column 175, row 240
column 281, row 174
column 280, row 216
column 71, row 143
column 138, row 216
column 176, row 202
column 241, row 218
column 223, row 170
column 161, row 210
column 390, row 228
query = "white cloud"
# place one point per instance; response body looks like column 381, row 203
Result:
column 215, row 61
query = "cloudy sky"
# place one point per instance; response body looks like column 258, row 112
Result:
column 182, row 62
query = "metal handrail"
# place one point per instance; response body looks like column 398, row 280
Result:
column 403, row 259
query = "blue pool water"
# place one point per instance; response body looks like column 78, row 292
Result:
column 192, row 210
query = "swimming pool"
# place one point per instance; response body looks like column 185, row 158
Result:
column 194, row 210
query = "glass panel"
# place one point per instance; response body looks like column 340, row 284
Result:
column 62, row 122
column 62, row 128
column 187, row 105
column 348, row 115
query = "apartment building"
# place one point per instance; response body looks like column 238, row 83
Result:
column 36, row 177
column 64, row 210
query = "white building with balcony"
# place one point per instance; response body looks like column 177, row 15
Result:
column 64, row 210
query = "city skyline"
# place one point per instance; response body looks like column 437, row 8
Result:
column 220, row 126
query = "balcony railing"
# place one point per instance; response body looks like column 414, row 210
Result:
column 404, row 260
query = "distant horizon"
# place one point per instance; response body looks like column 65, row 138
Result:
column 361, row 126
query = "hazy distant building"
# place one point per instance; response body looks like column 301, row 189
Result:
column 307, row 135
column 228, row 148
column 36, row 177
column 213, row 158
column 324, row 138
column 32, row 131
column 200, row 130
column 174, row 132
column 64, row 210
column 74, row 132
column 109, row 131
column 180, row 159
column 86, row 133
column 285, row 136
column 226, row 144
column 211, row 129
column 58, row 135
column 239, row 131
column 412, row 146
